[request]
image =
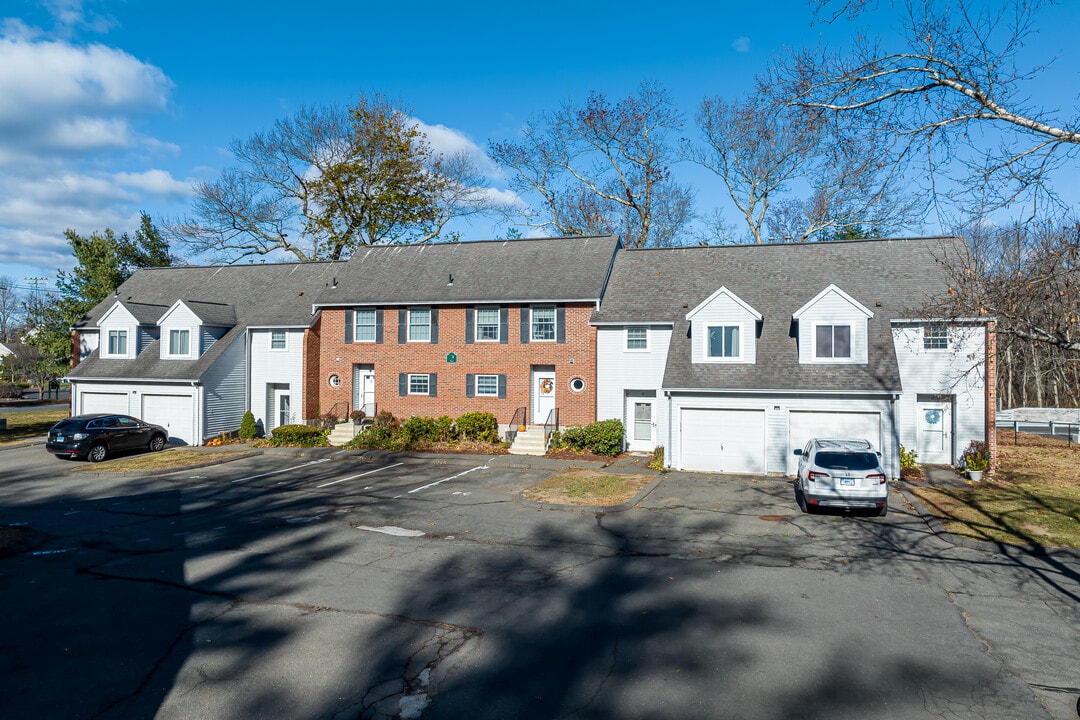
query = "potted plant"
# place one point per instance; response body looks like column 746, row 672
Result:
column 976, row 460
column 357, row 416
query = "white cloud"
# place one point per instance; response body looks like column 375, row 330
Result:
column 156, row 182
column 741, row 44
column 448, row 141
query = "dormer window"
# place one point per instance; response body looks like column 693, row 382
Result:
column 180, row 343
column 118, row 342
column 832, row 341
column 722, row 342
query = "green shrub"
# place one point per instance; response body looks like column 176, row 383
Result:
column 908, row 459
column 248, row 429
column 297, row 436
column 478, row 426
column 10, row 391
column 420, row 429
column 445, row 431
column 976, row 456
column 602, row 438
column 656, row 460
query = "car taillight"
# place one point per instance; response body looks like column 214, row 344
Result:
column 877, row 476
column 812, row 475
column 80, row 436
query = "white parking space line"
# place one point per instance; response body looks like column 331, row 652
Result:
column 392, row 530
column 353, row 477
column 276, row 472
column 440, row 482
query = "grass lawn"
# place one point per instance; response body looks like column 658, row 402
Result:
column 1033, row 499
column 176, row 458
column 584, row 486
column 28, row 425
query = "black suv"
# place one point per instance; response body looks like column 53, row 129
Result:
column 96, row 437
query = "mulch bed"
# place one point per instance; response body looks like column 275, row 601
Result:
column 581, row 455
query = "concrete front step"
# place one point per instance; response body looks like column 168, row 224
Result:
column 530, row 442
column 343, row 433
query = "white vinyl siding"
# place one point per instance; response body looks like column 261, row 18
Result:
column 624, row 372
column 224, row 387
column 277, row 368
column 828, row 312
column 723, row 329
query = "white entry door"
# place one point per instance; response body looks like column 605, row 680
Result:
column 282, row 408
column 935, row 423
column 640, row 426
column 364, row 389
column 543, row 393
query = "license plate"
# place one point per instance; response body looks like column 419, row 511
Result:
column 59, row 438
column 847, row 481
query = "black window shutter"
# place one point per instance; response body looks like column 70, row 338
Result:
column 378, row 325
column 470, row 311
column 433, row 380
column 349, row 313
column 469, row 385
column 403, row 384
column 524, row 324
column 402, row 320
column 434, row 326
column 560, row 323
column 504, row 324
column 502, row 386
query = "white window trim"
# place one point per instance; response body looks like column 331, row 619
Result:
column 476, row 386
column 374, row 325
column 554, row 324
column 947, row 338
column 284, row 334
column 853, row 329
column 626, row 339
column 705, row 343
column 498, row 325
column 168, row 342
column 129, row 338
column 427, row 381
column 409, row 325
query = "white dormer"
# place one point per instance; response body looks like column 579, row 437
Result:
column 188, row 328
column 118, row 332
column 833, row 328
column 723, row 329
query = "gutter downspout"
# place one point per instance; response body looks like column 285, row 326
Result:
column 668, row 455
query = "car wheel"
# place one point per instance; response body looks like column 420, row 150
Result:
column 157, row 443
column 97, row 453
column 800, row 500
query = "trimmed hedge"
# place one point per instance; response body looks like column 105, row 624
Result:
column 297, row 436
column 388, row 433
column 602, row 438
column 478, row 426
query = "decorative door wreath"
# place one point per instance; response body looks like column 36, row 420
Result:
column 546, row 386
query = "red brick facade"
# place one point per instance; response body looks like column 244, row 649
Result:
column 573, row 358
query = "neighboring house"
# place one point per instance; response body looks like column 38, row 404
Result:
column 193, row 348
column 495, row 326
column 732, row 357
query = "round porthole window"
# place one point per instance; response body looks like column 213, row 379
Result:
column 577, row 384
column 335, row 380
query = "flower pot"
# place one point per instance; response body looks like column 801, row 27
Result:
column 975, row 475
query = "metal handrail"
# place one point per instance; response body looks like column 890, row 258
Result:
column 518, row 420
column 552, row 423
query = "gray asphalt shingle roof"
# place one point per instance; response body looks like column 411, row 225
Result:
column 893, row 278
column 486, row 271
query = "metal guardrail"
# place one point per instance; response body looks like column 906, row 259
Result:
column 1069, row 432
column 552, row 423
column 515, row 422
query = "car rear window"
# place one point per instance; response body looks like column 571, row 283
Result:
column 846, row 460
column 69, row 424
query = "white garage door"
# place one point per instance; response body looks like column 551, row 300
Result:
column 99, row 402
column 722, row 440
column 174, row 412
column 804, row 425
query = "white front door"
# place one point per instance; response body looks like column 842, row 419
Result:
column 282, row 408
column 543, row 393
column 935, row 423
column 640, row 425
column 364, row 389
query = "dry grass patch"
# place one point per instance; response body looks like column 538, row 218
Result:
column 1033, row 499
column 587, row 487
column 176, row 458
column 29, row 425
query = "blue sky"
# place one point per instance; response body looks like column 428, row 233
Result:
column 112, row 107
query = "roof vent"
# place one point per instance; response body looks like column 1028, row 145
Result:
column 333, row 283
column 451, row 283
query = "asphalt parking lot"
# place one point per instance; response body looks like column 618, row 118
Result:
column 342, row 586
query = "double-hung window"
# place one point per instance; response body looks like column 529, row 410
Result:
column 832, row 341
column 179, row 342
column 419, row 384
column 935, row 337
column 637, row 338
column 364, row 325
column 722, row 342
column 118, row 342
column 543, row 323
column 487, row 385
column 419, row 325
column 277, row 340
column 487, row 324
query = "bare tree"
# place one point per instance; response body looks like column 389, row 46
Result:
column 9, row 308
column 954, row 92
column 327, row 180
column 603, row 168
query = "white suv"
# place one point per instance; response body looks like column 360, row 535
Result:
column 841, row 473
